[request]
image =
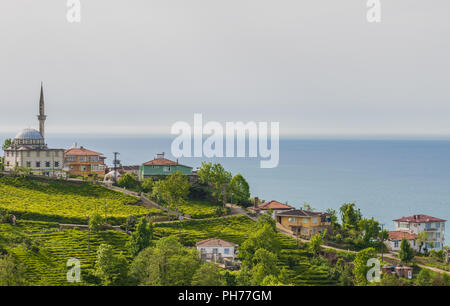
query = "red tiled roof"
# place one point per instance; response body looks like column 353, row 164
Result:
column 215, row 242
column 419, row 219
column 81, row 151
column 399, row 235
column 163, row 162
column 274, row 205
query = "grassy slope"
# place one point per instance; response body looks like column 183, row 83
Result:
column 237, row 229
column 65, row 202
column 47, row 265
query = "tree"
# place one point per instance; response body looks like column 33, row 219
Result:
column 128, row 181
column 96, row 222
column 315, row 243
column 333, row 215
column 370, row 229
column 7, row 143
column 360, row 264
column 173, row 190
column 11, row 274
column 110, row 268
column 350, row 215
column 421, row 239
column 406, row 253
column 141, row 238
column 208, row 275
column 147, row 185
column 239, row 189
column 168, row 263
column 216, row 176
column 265, row 265
column 424, row 278
column 263, row 238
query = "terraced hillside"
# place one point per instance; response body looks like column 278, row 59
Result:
column 237, row 229
column 65, row 202
column 44, row 251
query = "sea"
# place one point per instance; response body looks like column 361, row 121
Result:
column 386, row 179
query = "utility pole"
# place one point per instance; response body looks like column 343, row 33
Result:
column 116, row 163
column 382, row 241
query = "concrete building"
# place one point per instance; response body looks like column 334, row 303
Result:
column 162, row 166
column 417, row 224
column 214, row 249
column 84, row 162
column 29, row 149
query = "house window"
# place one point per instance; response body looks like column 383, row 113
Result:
column 396, row 243
column 427, row 225
column 83, row 168
column 438, row 235
column 305, row 220
column 82, row 158
column 226, row 251
column 202, row 250
column 305, row 230
column 314, row 220
column 215, row 251
column 71, row 158
column 56, row 164
column 38, row 164
column 47, row 164
column 293, row 220
column 437, row 245
column 28, row 164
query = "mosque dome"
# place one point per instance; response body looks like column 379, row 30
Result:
column 28, row 134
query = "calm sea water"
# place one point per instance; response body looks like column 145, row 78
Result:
column 387, row 179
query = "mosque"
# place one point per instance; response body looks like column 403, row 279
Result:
column 29, row 149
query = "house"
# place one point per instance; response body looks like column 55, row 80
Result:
column 304, row 223
column 416, row 224
column 395, row 238
column 82, row 162
column 214, row 249
column 274, row 206
column 162, row 166
column 400, row 271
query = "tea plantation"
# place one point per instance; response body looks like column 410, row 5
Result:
column 64, row 202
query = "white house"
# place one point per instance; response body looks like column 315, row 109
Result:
column 416, row 224
column 396, row 237
column 215, row 249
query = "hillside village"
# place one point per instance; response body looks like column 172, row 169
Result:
column 57, row 204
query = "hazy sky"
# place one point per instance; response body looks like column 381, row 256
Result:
column 316, row 66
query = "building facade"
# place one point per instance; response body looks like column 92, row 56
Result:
column 417, row 224
column 162, row 166
column 83, row 162
column 304, row 223
column 214, row 249
column 30, row 151
column 274, row 206
column 395, row 238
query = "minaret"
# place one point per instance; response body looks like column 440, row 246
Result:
column 42, row 116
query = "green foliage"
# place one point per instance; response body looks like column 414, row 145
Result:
column 217, row 177
column 96, row 222
column 168, row 263
column 424, row 278
column 11, row 273
column 208, row 275
column 142, row 237
column 315, row 243
column 265, row 264
column 306, row 206
column 173, row 190
column 360, row 264
column 109, row 267
column 239, row 189
column 264, row 238
column 369, row 228
column 350, row 215
column 128, row 181
column 147, row 185
column 7, row 143
column 406, row 253
column 64, row 202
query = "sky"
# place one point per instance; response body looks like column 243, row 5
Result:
column 317, row 67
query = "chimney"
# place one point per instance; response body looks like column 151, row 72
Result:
column 160, row 155
column 256, row 200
